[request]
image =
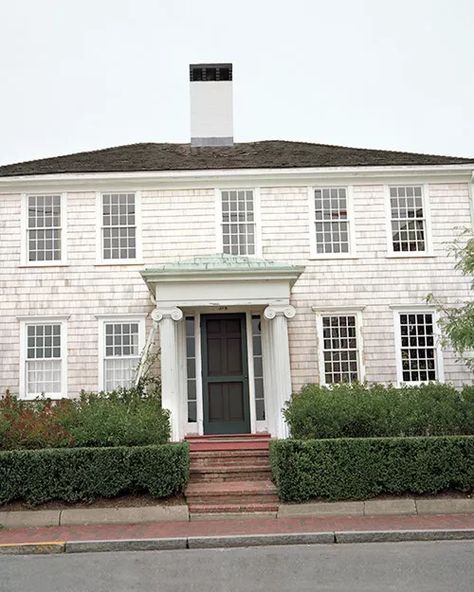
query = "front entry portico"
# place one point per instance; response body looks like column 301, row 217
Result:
column 225, row 365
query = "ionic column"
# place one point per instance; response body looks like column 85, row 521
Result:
column 280, row 391
column 167, row 319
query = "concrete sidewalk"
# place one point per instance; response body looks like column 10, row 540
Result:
column 235, row 533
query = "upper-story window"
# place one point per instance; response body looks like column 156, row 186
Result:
column 238, row 222
column 119, row 226
column 44, row 229
column 331, row 230
column 408, row 221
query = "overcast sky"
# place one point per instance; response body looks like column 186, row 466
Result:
column 84, row 74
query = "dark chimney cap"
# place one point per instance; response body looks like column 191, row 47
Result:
column 204, row 72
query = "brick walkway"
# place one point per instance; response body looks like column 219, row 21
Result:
column 233, row 527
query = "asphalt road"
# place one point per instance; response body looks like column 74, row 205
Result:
column 385, row 567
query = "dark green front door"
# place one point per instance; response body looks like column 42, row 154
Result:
column 225, row 374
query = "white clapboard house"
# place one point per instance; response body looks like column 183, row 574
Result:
column 259, row 266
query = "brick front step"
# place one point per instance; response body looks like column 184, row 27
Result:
column 231, row 492
column 210, row 446
column 197, row 509
column 230, row 473
column 230, row 458
column 229, row 437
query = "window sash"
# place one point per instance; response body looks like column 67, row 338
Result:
column 331, row 220
column 44, row 228
column 119, row 226
column 121, row 353
column 238, row 222
column 418, row 350
column 408, row 225
column 43, row 359
column 340, row 348
column 191, row 373
column 260, row 413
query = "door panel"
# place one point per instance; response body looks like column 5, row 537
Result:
column 225, row 374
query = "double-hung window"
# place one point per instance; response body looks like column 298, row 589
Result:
column 44, row 232
column 408, row 220
column 43, row 358
column 118, row 226
column 330, row 223
column 340, row 348
column 419, row 356
column 121, row 343
column 239, row 231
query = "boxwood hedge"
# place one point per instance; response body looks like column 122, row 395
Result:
column 361, row 411
column 76, row 474
column 349, row 468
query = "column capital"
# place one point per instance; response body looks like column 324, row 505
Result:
column 172, row 312
column 279, row 310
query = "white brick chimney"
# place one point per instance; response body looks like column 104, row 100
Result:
column 211, row 105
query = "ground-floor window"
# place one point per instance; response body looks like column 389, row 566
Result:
column 418, row 353
column 122, row 341
column 340, row 344
column 43, row 358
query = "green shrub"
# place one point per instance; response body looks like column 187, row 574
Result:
column 361, row 468
column 125, row 417
column 359, row 411
column 76, row 474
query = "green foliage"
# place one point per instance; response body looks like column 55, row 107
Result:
column 76, row 474
column 457, row 322
column 343, row 469
column 124, row 417
column 360, row 411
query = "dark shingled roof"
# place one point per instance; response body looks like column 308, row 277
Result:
column 274, row 154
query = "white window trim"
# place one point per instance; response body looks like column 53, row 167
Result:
column 352, row 254
column 24, row 260
column 428, row 252
column 339, row 311
column 257, row 218
column 417, row 308
column 124, row 318
column 24, row 323
column 138, row 260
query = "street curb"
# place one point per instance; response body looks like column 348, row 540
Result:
column 32, row 548
column 257, row 540
column 126, row 545
column 233, row 541
column 396, row 536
